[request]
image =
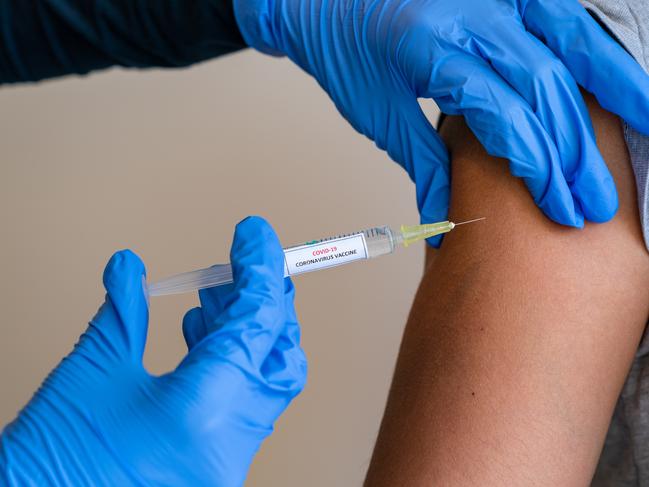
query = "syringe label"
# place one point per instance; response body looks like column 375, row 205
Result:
column 306, row 258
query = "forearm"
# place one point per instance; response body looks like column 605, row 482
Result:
column 46, row 38
column 520, row 337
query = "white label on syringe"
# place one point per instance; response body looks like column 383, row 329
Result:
column 320, row 255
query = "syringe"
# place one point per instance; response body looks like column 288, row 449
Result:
column 314, row 255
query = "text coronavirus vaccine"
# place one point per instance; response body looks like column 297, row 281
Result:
column 323, row 254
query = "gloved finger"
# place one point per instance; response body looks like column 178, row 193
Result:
column 245, row 331
column 547, row 86
column 285, row 368
column 595, row 59
column 118, row 331
column 506, row 126
column 194, row 329
column 411, row 141
column 213, row 301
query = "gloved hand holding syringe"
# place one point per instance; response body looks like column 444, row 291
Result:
column 314, row 255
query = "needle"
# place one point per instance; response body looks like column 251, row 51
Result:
column 471, row 221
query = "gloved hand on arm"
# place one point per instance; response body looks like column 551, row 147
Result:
column 101, row 419
column 511, row 67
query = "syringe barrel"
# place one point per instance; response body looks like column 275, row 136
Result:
column 379, row 241
column 311, row 256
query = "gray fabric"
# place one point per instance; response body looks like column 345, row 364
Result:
column 625, row 459
column 638, row 145
column 629, row 22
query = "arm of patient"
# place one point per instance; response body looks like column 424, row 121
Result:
column 520, row 337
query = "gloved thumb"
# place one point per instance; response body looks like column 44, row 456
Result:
column 241, row 323
column 118, row 331
column 415, row 145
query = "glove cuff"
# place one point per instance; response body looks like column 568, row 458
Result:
column 254, row 18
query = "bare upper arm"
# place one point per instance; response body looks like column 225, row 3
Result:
column 520, row 336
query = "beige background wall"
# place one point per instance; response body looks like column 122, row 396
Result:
column 166, row 162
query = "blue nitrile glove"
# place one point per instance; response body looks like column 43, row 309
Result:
column 511, row 67
column 101, row 419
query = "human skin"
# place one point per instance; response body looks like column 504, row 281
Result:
column 521, row 334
